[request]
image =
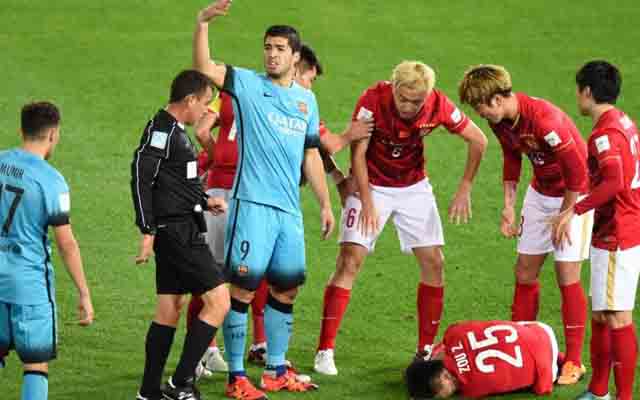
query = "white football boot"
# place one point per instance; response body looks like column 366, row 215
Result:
column 324, row 363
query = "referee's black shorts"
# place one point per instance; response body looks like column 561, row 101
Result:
column 184, row 263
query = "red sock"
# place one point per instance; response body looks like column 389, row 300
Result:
column 600, row 358
column 336, row 300
column 526, row 299
column 574, row 319
column 195, row 306
column 257, row 312
column 624, row 348
column 430, row 303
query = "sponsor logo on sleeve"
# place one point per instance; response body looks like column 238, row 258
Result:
column 65, row 202
column 552, row 138
column 363, row 113
column 159, row 140
column 602, row 143
column 456, row 116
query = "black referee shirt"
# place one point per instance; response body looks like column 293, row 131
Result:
column 164, row 173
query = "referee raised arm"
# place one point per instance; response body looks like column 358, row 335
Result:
column 168, row 201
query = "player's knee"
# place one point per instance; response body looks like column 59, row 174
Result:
column 619, row 319
column 217, row 300
column 348, row 264
column 37, row 367
column 525, row 275
column 284, row 295
column 241, row 294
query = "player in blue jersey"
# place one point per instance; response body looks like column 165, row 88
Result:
column 33, row 197
column 278, row 127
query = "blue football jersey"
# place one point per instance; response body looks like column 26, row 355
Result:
column 33, row 196
column 276, row 125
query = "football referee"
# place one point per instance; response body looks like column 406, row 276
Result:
column 169, row 201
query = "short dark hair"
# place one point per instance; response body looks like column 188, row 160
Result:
column 603, row 78
column 36, row 117
column 189, row 82
column 422, row 378
column 308, row 57
column 285, row 31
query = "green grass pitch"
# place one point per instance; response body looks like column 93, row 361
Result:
column 109, row 63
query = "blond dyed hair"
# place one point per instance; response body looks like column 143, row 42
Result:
column 414, row 75
column 481, row 82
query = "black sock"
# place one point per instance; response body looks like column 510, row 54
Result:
column 157, row 348
column 195, row 344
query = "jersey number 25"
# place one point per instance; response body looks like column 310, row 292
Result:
column 483, row 357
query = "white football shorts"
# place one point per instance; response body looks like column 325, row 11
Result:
column 216, row 226
column 614, row 279
column 412, row 208
column 535, row 229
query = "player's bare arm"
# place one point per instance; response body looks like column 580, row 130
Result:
column 508, row 221
column 460, row 208
column 201, row 54
column 314, row 171
column 70, row 252
column 356, row 130
column 368, row 220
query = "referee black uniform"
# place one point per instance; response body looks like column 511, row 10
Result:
column 169, row 200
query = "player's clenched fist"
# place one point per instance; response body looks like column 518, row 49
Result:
column 216, row 9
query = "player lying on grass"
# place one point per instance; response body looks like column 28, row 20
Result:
column 481, row 358
column 549, row 138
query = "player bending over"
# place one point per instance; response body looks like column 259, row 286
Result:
column 547, row 136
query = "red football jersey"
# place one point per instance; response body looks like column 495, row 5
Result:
column 493, row 357
column 617, row 221
column 552, row 142
column 395, row 156
column 225, row 153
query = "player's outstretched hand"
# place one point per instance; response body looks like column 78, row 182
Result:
column 146, row 249
column 85, row 310
column 216, row 9
column 360, row 129
column 347, row 188
column 328, row 222
column 460, row 208
column 560, row 225
column 368, row 220
column 217, row 205
column 508, row 223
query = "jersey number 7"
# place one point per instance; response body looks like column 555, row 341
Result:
column 18, row 192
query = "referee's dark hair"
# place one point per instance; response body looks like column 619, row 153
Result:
column 189, row 82
column 423, row 378
column 285, row 31
column 37, row 117
column 308, row 59
column 603, row 78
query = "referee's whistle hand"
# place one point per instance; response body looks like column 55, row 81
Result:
column 146, row 249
